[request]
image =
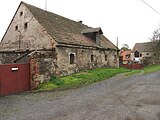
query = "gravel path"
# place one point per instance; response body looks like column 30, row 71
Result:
column 118, row 98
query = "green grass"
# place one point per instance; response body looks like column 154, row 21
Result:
column 80, row 79
column 152, row 68
column 133, row 72
column 145, row 70
column 90, row 76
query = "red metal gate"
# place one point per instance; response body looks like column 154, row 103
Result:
column 14, row 78
column 133, row 66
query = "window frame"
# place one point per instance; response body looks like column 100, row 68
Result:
column 140, row 54
column 128, row 56
column 72, row 58
column 106, row 57
column 92, row 58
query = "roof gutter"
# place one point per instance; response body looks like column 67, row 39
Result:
column 82, row 46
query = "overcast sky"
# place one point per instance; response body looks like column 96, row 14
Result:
column 130, row 20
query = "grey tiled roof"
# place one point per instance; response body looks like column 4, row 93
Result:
column 92, row 30
column 64, row 30
column 143, row 47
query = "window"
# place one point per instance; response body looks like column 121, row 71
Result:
column 115, row 57
column 147, row 53
column 72, row 58
column 16, row 27
column 92, row 58
column 140, row 55
column 128, row 56
column 25, row 25
column 21, row 13
column 105, row 57
column 136, row 54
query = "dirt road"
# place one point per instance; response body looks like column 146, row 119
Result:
column 118, row 98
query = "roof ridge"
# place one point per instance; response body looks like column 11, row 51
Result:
column 143, row 42
column 64, row 30
column 26, row 4
column 143, row 47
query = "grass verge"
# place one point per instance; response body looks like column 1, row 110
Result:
column 145, row 70
column 152, row 68
column 80, row 79
column 89, row 76
column 133, row 72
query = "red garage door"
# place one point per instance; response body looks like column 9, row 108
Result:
column 14, row 78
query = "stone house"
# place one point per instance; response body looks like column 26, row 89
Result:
column 146, row 53
column 54, row 45
column 142, row 50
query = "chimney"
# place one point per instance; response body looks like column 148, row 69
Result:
column 80, row 21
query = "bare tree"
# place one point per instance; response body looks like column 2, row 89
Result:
column 156, row 42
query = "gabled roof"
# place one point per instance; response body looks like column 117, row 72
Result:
column 64, row 30
column 92, row 30
column 143, row 47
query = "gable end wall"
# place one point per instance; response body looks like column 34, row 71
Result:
column 30, row 38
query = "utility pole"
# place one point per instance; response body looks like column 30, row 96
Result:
column 45, row 4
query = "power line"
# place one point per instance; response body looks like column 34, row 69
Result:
column 150, row 7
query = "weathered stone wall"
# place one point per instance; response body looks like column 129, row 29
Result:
column 21, row 38
column 42, row 66
column 46, row 63
column 150, row 61
column 83, row 59
column 11, row 57
column 144, row 55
